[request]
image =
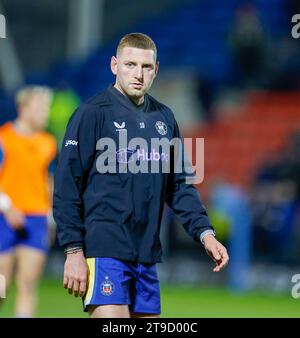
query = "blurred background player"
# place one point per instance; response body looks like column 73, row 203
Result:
column 26, row 152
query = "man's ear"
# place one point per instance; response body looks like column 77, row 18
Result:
column 156, row 68
column 114, row 65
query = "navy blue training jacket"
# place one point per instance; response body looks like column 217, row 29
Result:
column 119, row 214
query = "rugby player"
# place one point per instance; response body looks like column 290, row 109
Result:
column 26, row 154
column 109, row 222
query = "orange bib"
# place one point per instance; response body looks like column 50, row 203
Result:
column 24, row 169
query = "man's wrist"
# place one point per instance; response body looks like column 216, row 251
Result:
column 206, row 233
column 73, row 248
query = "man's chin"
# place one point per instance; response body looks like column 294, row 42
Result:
column 136, row 93
column 39, row 127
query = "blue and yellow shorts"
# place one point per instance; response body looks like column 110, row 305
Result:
column 113, row 281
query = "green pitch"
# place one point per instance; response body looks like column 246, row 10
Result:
column 177, row 301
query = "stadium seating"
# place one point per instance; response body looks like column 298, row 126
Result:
column 194, row 35
column 235, row 149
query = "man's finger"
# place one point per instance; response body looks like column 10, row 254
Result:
column 216, row 269
column 70, row 286
column 224, row 255
column 220, row 266
column 75, row 288
column 82, row 289
column 215, row 254
column 223, row 252
column 223, row 261
column 66, row 281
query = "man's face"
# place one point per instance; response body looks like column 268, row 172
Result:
column 135, row 70
column 36, row 111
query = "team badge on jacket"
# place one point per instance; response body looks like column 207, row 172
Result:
column 107, row 287
column 161, row 127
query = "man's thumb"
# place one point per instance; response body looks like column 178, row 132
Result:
column 216, row 254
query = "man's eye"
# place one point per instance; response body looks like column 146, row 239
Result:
column 129, row 64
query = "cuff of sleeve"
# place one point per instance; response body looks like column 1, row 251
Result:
column 205, row 233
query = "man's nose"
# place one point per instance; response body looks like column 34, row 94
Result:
column 139, row 73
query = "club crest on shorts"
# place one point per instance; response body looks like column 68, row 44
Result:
column 161, row 127
column 107, row 287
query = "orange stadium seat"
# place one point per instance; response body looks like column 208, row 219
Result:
column 235, row 149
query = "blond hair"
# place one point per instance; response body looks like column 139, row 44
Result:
column 137, row 40
column 24, row 94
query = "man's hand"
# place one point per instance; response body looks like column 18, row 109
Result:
column 216, row 251
column 76, row 274
column 15, row 218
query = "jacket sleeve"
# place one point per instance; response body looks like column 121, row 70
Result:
column 75, row 160
column 184, row 198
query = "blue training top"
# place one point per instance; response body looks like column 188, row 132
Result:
column 119, row 214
